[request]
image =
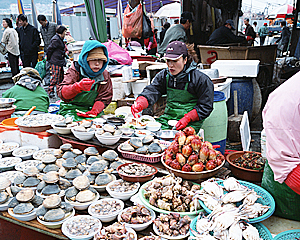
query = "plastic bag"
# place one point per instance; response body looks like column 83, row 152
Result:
column 41, row 68
column 118, row 53
column 133, row 22
column 147, row 30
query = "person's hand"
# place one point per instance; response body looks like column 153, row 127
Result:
column 97, row 108
column 139, row 105
column 85, row 115
column 191, row 116
column 248, row 38
column 84, row 85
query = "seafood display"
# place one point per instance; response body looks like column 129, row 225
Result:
column 66, row 123
column 38, row 120
column 138, row 214
column 115, row 231
column 84, row 126
column 189, row 154
column 217, row 197
column 106, row 207
column 250, row 160
column 11, row 175
column 9, row 162
column 6, row 192
column 82, row 226
column 123, row 186
column 8, row 147
column 172, row 224
column 29, row 179
column 152, row 237
column 108, row 130
column 26, row 164
column 172, row 194
column 137, row 169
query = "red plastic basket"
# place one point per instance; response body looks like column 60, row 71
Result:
column 142, row 157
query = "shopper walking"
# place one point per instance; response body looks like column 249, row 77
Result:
column 47, row 29
column 11, row 40
column 249, row 31
column 284, row 39
column 263, row 32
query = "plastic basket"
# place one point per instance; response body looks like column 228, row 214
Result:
column 266, row 199
column 288, row 235
column 142, row 157
column 264, row 233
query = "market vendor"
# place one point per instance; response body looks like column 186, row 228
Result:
column 28, row 92
column 281, row 177
column 190, row 93
column 86, row 86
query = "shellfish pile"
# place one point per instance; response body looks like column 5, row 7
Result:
column 123, row 186
column 82, row 226
column 39, row 120
column 113, row 232
column 108, row 130
column 6, row 190
column 137, row 169
column 188, row 153
column 106, row 207
column 138, row 214
column 29, row 178
column 9, row 161
column 172, row 194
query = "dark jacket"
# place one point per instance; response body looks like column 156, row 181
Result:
column 162, row 35
column 48, row 33
column 200, row 86
column 56, row 51
column 285, row 36
column 29, row 40
column 249, row 31
column 223, row 35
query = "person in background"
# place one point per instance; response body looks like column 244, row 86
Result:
column 29, row 41
column 28, row 92
column 190, row 93
column 281, row 176
column 155, row 34
column 87, row 85
column 224, row 35
column 163, row 32
column 177, row 32
column 11, row 40
column 263, row 32
column 255, row 26
column 176, row 21
column 249, row 31
column 47, row 29
column 284, row 39
column 151, row 45
column 56, row 56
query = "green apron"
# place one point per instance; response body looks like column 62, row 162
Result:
column 83, row 101
column 179, row 102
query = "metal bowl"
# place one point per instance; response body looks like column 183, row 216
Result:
column 6, row 102
column 166, row 134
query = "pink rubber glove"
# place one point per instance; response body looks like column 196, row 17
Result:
column 191, row 116
column 70, row 91
column 149, row 46
column 139, row 105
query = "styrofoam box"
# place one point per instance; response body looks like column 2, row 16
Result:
column 236, row 68
column 224, row 87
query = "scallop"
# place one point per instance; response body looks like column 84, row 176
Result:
column 52, row 201
column 37, row 201
column 64, row 184
column 109, row 155
column 81, row 158
column 69, row 154
column 41, row 211
column 67, row 207
column 73, row 173
column 81, row 182
column 50, row 167
column 71, row 192
column 116, row 164
column 19, row 179
column 81, row 167
column 86, row 124
column 31, row 171
column 92, row 159
column 40, row 186
column 13, row 202
column 31, row 182
column 136, row 142
column 79, row 129
column 41, row 166
column 48, row 158
column 23, row 208
column 69, row 163
column 85, row 196
column 118, row 132
column 3, row 197
column 77, row 151
column 127, row 147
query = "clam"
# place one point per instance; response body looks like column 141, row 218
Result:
column 67, row 207
column 71, row 192
column 154, row 148
column 62, row 172
column 64, row 184
column 52, row 201
column 91, row 151
column 48, row 158
column 73, row 173
column 109, row 155
column 41, row 166
column 13, row 202
column 3, row 197
column 25, row 195
column 100, row 131
column 41, row 211
column 51, row 177
column 136, row 142
column 19, row 179
column 59, row 162
column 66, row 147
column 142, row 150
column 107, row 134
column 147, row 139
column 103, row 179
column 69, row 163
column 77, row 151
column 91, row 178
column 31, row 171
column 69, row 154
column 4, row 183
column 54, row 215
column 85, row 196
column 92, row 159
column 23, row 208
column 57, row 153
column 79, row 129
column 40, row 186
column 50, row 189
column 37, row 201
column 108, row 128
column 60, row 124
column 127, row 147
column 14, row 190
column 118, row 132
column 50, row 167
column 116, row 164
column 86, row 124
column 81, row 167
column 81, row 182
column 98, row 167
column 31, row 182
column 81, row 158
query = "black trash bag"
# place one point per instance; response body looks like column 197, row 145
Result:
column 147, row 30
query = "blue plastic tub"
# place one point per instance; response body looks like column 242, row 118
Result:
column 54, row 105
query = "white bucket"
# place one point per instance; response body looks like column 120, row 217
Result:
column 138, row 86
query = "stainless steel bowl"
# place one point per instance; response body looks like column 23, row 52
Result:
column 166, row 134
column 6, row 102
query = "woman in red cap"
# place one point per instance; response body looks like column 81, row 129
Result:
column 190, row 93
column 263, row 32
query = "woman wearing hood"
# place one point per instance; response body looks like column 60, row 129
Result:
column 190, row 93
column 86, row 86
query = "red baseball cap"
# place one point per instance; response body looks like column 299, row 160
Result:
column 265, row 24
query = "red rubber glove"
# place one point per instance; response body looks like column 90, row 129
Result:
column 96, row 109
column 191, row 116
column 249, row 38
column 70, row 91
column 293, row 180
column 139, row 105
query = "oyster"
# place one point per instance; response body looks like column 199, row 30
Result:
column 54, row 215
column 109, row 155
column 127, row 147
column 52, row 201
column 98, row 167
column 147, row 139
column 103, row 179
column 137, row 169
column 136, row 142
column 25, row 195
column 81, row 182
column 91, row 151
column 23, row 208
column 85, row 196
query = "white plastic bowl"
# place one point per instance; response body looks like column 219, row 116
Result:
column 107, row 217
column 130, row 230
column 23, row 165
column 58, row 224
column 8, row 153
column 4, row 206
column 84, row 136
column 82, row 206
column 125, row 114
column 103, row 187
column 121, row 195
column 138, row 227
column 61, row 130
column 153, row 126
column 25, row 157
column 142, row 133
column 108, row 140
column 86, row 237
column 11, row 166
column 23, row 217
column 169, row 237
